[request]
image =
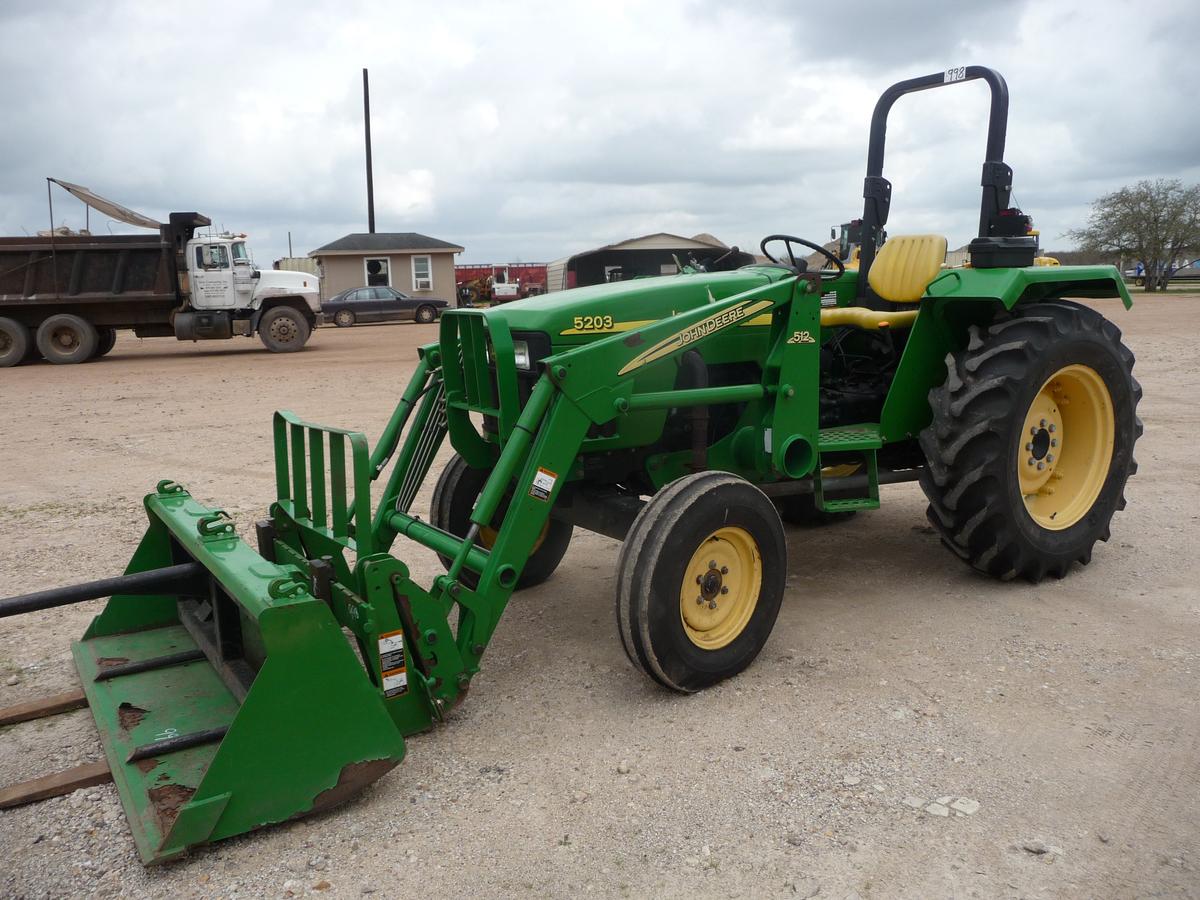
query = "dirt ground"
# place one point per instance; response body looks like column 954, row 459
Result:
column 895, row 676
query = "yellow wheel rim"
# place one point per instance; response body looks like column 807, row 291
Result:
column 1065, row 447
column 720, row 588
column 487, row 537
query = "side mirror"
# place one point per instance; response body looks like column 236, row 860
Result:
column 256, row 274
column 832, row 233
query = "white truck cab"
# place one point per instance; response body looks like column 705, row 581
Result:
column 229, row 295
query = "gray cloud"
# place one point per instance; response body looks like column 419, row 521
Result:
column 531, row 130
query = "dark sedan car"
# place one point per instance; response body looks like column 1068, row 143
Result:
column 379, row 304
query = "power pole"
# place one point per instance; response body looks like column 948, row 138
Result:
column 370, row 178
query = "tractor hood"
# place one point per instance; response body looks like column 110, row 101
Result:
column 583, row 314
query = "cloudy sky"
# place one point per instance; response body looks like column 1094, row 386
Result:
column 525, row 131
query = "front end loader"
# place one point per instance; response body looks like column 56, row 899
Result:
column 237, row 683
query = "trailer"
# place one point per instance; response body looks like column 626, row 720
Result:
column 64, row 295
column 485, row 284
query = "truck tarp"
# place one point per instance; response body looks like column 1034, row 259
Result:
column 108, row 207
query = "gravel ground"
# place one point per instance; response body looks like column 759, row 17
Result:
column 911, row 729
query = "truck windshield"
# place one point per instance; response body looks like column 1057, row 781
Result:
column 240, row 254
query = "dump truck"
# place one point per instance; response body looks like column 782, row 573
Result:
column 63, row 297
column 240, row 682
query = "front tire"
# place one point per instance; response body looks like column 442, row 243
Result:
column 283, row 330
column 700, row 580
column 344, row 318
column 14, row 343
column 425, row 315
column 65, row 339
column 1032, row 441
column 454, row 496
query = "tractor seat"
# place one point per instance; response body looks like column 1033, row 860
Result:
column 900, row 273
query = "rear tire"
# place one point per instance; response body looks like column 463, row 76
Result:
column 106, row 341
column 14, row 343
column 1032, row 441
column 700, row 580
column 454, row 496
column 425, row 315
column 344, row 318
column 65, row 339
column 283, row 330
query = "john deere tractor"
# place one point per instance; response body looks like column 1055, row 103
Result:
column 236, row 683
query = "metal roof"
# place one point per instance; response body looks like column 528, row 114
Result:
column 386, row 242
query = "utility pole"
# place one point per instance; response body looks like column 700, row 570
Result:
column 370, row 178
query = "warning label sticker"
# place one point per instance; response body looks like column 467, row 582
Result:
column 393, row 664
column 543, row 484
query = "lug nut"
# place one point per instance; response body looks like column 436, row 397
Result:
column 712, row 604
column 712, row 563
column 1032, row 460
column 1052, row 428
column 699, row 578
column 1053, row 442
column 724, row 570
column 1049, row 457
column 1041, row 466
column 1042, row 423
column 1033, row 430
column 699, row 601
column 1029, row 446
column 724, row 590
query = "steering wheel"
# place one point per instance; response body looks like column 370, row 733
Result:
column 788, row 240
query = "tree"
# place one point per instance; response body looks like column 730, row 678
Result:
column 1154, row 222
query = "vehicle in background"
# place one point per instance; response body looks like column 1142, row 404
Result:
column 64, row 295
column 1180, row 271
column 380, row 304
column 489, row 284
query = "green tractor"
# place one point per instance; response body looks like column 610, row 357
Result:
column 689, row 416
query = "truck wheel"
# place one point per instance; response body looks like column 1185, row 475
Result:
column 14, row 343
column 65, row 339
column 107, row 339
column 1032, row 441
column 344, row 318
column 425, row 315
column 283, row 330
column 454, row 497
column 700, row 580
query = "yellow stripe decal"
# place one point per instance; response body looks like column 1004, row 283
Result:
column 694, row 332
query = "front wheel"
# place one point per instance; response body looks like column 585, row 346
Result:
column 344, row 318
column 1032, row 441
column 700, row 580
column 283, row 330
column 425, row 315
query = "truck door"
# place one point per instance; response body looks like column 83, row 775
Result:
column 212, row 277
column 244, row 275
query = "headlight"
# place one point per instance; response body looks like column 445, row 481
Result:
column 521, row 355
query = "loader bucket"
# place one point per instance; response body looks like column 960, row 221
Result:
column 232, row 700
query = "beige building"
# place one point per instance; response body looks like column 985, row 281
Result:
column 415, row 264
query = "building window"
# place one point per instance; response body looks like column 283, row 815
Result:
column 422, row 269
column 378, row 272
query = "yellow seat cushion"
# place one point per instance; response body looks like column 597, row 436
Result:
column 905, row 265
